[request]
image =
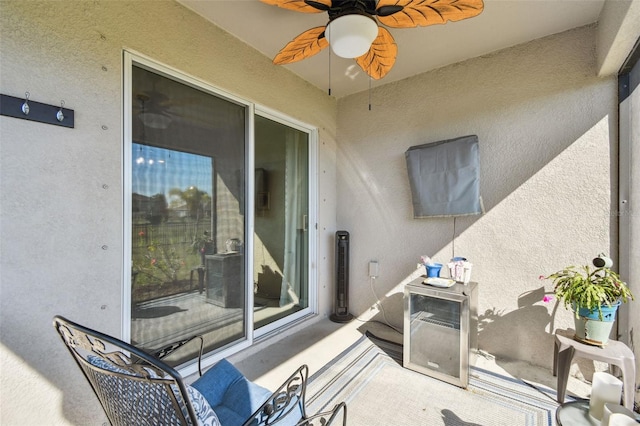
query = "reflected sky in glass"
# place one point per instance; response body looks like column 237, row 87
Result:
column 158, row 170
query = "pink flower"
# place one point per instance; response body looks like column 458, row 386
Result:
column 141, row 234
column 547, row 299
column 542, row 277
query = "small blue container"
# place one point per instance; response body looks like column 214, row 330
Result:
column 433, row 269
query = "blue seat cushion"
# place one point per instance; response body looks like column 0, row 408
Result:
column 234, row 398
column 230, row 394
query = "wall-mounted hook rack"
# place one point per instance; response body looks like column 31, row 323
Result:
column 11, row 106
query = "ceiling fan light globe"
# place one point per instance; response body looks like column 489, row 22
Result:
column 154, row 120
column 350, row 36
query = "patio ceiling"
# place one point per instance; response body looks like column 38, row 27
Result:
column 502, row 24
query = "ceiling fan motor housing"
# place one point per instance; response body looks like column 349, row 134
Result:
column 349, row 7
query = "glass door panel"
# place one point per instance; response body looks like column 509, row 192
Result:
column 281, row 238
column 188, row 214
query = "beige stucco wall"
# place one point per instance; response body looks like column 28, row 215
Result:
column 61, row 189
column 634, row 223
column 618, row 31
column 547, row 129
column 629, row 206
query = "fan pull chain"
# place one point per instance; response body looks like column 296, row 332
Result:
column 329, row 72
column 369, row 93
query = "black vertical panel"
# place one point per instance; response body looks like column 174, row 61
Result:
column 341, row 303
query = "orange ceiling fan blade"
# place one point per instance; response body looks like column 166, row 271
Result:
column 303, row 46
column 303, row 6
column 414, row 13
column 381, row 56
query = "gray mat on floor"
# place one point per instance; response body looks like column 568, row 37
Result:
column 370, row 378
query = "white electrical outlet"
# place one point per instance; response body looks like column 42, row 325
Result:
column 373, row 268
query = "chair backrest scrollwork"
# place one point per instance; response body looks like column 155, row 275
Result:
column 288, row 398
column 132, row 386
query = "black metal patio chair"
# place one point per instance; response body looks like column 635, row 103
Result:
column 138, row 388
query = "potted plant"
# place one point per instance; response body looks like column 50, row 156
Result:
column 202, row 245
column 594, row 295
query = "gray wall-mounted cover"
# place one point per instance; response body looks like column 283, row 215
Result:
column 445, row 177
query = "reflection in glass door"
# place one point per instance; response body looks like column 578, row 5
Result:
column 187, row 157
column 281, row 238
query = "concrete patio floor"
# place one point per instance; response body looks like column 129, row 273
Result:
column 320, row 342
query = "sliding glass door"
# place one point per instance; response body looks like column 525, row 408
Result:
column 196, row 162
column 188, row 156
column 281, row 238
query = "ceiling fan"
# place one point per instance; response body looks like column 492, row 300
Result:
column 353, row 30
column 153, row 109
column 157, row 110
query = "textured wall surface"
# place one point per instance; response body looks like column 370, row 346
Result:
column 634, row 220
column 629, row 206
column 618, row 32
column 61, row 189
column 547, row 129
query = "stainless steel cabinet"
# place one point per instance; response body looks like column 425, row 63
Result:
column 441, row 330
